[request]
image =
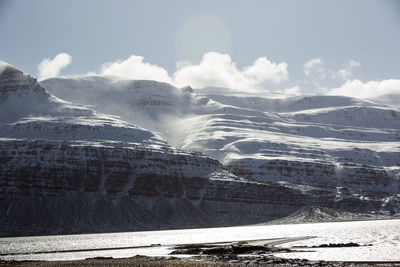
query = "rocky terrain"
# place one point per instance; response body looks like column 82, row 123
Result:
column 68, row 169
column 342, row 152
column 119, row 155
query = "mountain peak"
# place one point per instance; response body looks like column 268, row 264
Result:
column 13, row 80
column 7, row 69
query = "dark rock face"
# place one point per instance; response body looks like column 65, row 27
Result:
column 56, row 187
column 351, row 175
column 15, row 81
column 355, row 187
column 59, row 187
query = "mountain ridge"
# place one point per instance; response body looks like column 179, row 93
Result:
column 313, row 140
column 145, row 155
column 65, row 168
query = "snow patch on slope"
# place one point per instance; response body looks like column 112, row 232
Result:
column 27, row 110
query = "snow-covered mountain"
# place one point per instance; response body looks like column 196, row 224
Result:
column 348, row 146
column 121, row 155
column 66, row 168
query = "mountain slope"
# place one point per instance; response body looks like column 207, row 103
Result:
column 348, row 147
column 29, row 111
column 65, row 168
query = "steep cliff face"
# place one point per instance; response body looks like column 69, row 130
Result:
column 52, row 187
column 49, row 187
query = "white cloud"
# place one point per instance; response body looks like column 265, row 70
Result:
column 216, row 69
column 319, row 76
column 371, row 89
column 134, row 68
column 330, row 81
column 182, row 63
column 347, row 71
column 51, row 67
column 352, row 63
column 313, row 66
column 264, row 70
column 344, row 74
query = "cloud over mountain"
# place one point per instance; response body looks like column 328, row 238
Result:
column 357, row 88
column 48, row 67
column 135, row 68
column 317, row 70
column 219, row 70
column 215, row 69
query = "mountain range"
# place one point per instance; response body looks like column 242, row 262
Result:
column 101, row 154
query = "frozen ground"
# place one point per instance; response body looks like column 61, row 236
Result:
column 379, row 240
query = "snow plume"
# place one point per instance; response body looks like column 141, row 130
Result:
column 219, row 70
column 134, row 68
column 371, row 89
column 215, row 69
column 49, row 68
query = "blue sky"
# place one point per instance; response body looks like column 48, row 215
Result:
column 358, row 36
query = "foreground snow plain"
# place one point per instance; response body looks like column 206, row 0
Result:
column 379, row 240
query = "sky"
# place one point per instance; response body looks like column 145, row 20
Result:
column 348, row 47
